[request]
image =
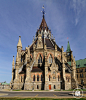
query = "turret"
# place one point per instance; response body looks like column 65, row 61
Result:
column 19, row 48
column 68, row 52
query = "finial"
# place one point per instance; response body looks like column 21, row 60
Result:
column 43, row 12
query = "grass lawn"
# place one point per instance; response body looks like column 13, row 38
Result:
column 40, row 99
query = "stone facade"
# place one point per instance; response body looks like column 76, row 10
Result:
column 81, row 72
column 43, row 65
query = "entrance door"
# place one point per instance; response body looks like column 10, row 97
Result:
column 49, row 87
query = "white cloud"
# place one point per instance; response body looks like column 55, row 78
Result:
column 77, row 6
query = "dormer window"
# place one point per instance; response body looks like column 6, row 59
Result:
column 78, row 65
column 50, row 59
column 40, row 59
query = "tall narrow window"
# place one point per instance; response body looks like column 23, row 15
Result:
column 41, row 77
column 54, row 87
column 81, row 81
column 58, row 77
column 49, row 77
column 40, row 59
column 85, row 70
column 82, row 75
column 34, row 78
column 50, row 59
column 37, row 87
column 37, row 77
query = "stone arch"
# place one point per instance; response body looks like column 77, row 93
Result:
column 51, row 54
column 38, row 55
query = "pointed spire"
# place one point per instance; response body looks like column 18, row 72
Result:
column 19, row 42
column 68, row 47
column 13, row 63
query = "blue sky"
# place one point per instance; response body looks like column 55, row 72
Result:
column 65, row 18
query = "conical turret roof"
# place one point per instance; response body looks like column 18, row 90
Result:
column 19, row 42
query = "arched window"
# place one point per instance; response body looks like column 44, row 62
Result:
column 54, row 87
column 50, row 59
column 37, row 77
column 49, row 77
column 40, row 59
column 41, row 77
column 37, row 87
column 58, row 77
column 34, row 78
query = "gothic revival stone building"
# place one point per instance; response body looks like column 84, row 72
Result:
column 43, row 65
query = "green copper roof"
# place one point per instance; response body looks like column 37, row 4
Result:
column 5, row 83
column 80, row 63
column 68, row 47
column 69, row 63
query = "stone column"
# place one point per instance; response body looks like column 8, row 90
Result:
column 46, row 73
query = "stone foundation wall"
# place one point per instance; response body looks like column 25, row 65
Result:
column 68, row 86
column 33, row 86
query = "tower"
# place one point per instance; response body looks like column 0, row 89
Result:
column 68, row 52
